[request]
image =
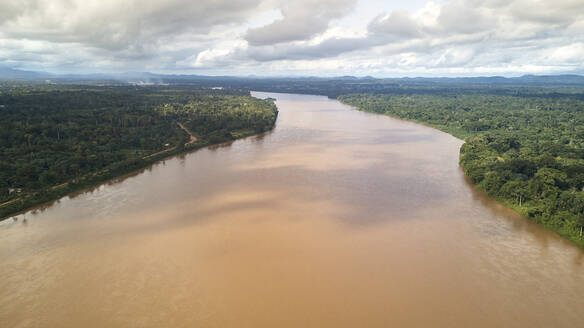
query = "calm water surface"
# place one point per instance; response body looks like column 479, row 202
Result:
column 337, row 218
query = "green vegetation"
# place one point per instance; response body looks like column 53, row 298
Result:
column 527, row 152
column 220, row 118
column 58, row 139
column 524, row 136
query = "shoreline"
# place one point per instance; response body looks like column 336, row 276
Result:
column 92, row 180
column 504, row 202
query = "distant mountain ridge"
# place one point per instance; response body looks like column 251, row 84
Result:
column 7, row 73
column 563, row 79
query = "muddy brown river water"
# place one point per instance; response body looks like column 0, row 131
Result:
column 336, row 218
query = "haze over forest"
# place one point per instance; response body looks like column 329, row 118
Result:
column 380, row 38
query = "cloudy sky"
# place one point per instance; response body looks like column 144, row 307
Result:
column 295, row 37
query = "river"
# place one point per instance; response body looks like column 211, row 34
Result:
column 336, row 218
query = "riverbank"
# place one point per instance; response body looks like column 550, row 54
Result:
column 565, row 231
column 30, row 202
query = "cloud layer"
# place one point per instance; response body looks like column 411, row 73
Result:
column 275, row 37
column 301, row 20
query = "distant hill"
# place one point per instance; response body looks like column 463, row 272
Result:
column 553, row 79
column 566, row 79
column 7, row 73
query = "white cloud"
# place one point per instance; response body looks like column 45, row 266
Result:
column 396, row 25
column 287, row 37
column 569, row 54
column 301, row 20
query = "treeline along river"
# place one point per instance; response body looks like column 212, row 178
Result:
column 336, row 218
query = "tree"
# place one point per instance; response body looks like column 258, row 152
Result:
column 516, row 189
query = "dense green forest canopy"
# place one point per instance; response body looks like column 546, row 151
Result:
column 524, row 136
column 336, row 87
column 527, row 152
column 68, row 134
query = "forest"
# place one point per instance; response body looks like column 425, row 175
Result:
column 55, row 139
column 526, row 152
column 524, row 140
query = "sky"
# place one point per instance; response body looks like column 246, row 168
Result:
column 296, row 37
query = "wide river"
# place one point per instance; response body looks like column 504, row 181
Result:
column 336, row 218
